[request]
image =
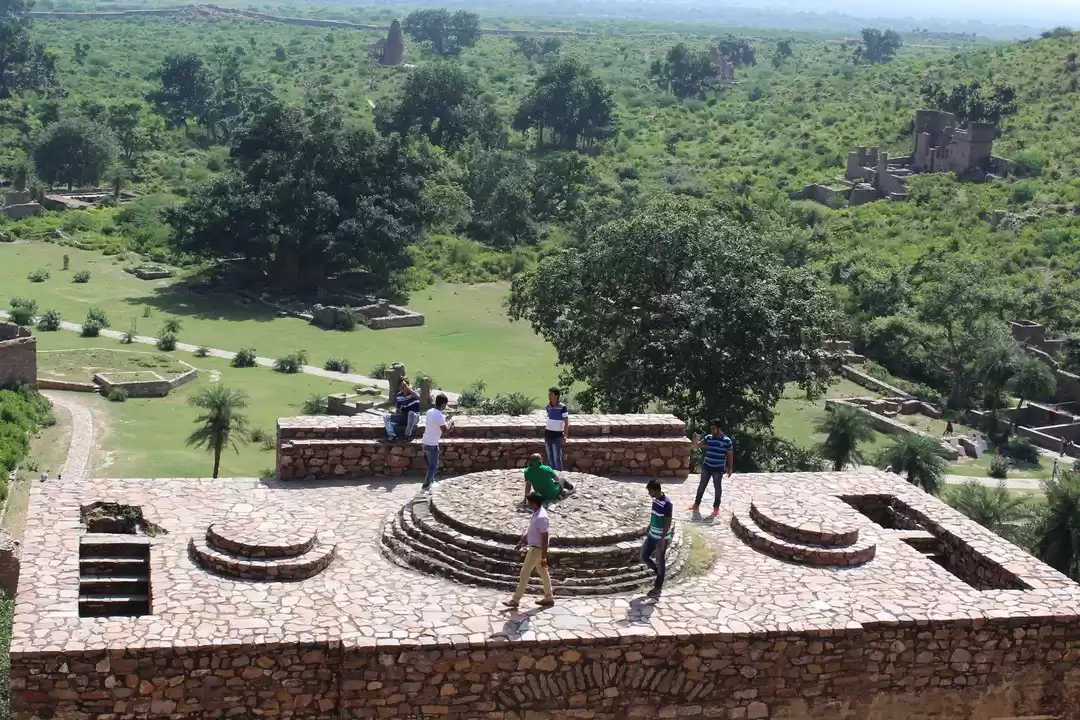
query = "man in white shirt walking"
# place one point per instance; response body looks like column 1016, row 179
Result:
column 536, row 537
column 434, row 426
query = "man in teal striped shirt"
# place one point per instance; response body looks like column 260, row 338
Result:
column 719, row 456
column 658, row 536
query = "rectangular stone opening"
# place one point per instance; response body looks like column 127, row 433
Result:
column 885, row 511
column 114, row 576
column 961, row 561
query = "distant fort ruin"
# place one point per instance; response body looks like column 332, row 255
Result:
column 941, row 145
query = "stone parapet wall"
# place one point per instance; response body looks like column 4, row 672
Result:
column 870, row 382
column 50, row 384
column 658, row 457
column 18, row 355
column 882, row 669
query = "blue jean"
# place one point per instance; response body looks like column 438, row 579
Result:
column 717, row 475
column 432, row 452
column 650, row 547
column 554, row 443
column 393, row 419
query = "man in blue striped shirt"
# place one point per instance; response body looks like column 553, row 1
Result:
column 658, row 535
column 408, row 412
column 719, row 456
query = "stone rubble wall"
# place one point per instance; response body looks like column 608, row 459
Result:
column 890, row 426
column 50, row 384
column 10, row 556
column 18, row 355
column 883, row 670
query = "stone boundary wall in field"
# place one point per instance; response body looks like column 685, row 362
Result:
column 50, row 384
column 107, row 382
column 890, row 426
column 869, row 382
column 948, row 669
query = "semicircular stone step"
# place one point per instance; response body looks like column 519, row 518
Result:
column 571, row 560
column 744, row 527
column 252, row 541
column 287, row 569
column 484, row 566
column 795, row 521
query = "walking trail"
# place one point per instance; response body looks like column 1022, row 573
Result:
column 1013, row 483
column 82, row 435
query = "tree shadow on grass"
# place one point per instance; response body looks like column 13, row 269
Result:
column 186, row 300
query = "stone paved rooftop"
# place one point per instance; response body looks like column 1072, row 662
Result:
column 363, row 599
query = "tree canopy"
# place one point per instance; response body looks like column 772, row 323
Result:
column 681, row 306
column 685, row 72
column 308, row 198
column 972, row 102
column 571, row 104
column 444, row 32
column 74, row 152
column 444, row 103
column 739, row 52
column 878, row 46
column 24, row 64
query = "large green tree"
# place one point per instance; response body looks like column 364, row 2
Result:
column 309, row 198
column 24, row 64
column 570, row 104
column 1031, row 380
column 500, row 185
column 186, row 87
column 445, row 103
column 685, row 72
column 878, row 46
column 74, row 152
column 972, row 102
column 446, row 33
column 682, row 306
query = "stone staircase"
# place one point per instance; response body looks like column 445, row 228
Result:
column 250, row 553
column 420, row 537
column 114, row 575
column 787, row 530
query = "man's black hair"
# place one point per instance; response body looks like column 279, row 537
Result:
column 555, row 391
column 440, row 400
column 654, row 485
column 536, row 499
column 716, row 423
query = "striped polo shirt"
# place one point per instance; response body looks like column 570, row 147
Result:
column 556, row 417
column 716, row 450
column 662, row 508
column 408, row 403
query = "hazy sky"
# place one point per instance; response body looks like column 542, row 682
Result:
column 1027, row 12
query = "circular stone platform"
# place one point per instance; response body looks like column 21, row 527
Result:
column 262, row 546
column 466, row 530
column 810, row 532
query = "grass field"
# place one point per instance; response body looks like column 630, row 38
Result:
column 796, row 416
column 81, row 365
column 970, row 467
column 467, row 336
column 144, row 437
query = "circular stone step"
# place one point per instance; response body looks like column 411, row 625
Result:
column 266, row 539
column 282, row 569
column 467, row 528
column 798, row 522
column 744, row 527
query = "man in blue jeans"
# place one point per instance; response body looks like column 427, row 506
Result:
column 408, row 412
column 434, row 426
column 556, row 429
column 658, row 536
column 719, row 456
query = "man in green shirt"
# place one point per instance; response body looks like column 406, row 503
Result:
column 544, row 481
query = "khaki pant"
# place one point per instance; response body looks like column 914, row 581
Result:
column 533, row 560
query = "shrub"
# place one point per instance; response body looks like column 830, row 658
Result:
column 1022, row 450
column 348, row 320
column 512, row 404
column 38, row 276
column 315, row 405
column 166, row 342
column 81, row 277
column 245, row 358
column 338, row 365
column 91, row 329
column 117, row 395
column 128, row 337
column 291, row 364
column 98, row 316
column 380, row 370
column 999, row 467
column 258, row 435
column 202, row 351
column 421, row 377
column 23, row 310
column 172, row 325
column 50, row 321
column 473, row 397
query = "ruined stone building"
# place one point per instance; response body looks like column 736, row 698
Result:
column 390, row 51
column 939, row 145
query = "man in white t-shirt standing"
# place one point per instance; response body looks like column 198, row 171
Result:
column 434, row 426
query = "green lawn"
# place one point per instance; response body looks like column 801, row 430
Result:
column 796, row 416
column 969, row 467
column 467, row 336
column 145, row 437
column 81, row 365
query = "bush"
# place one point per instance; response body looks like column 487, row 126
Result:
column 23, row 311
column 49, row 321
column 473, row 397
column 338, row 365
column 97, row 315
column 245, row 358
column 1022, row 450
column 23, row 410
column 315, row 405
column 166, row 342
column 421, row 377
column 81, row 277
column 291, row 364
column 512, row 404
column 172, row 325
column 202, row 351
column 117, row 395
column 261, row 437
column 38, row 276
column 91, row 329
column 999, row 467
column 380, row 370
column 128, row 337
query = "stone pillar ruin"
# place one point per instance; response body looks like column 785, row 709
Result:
column 425, row 393
column 394, row 376
column 67, row 261
column 394, row 49
column 18, row 182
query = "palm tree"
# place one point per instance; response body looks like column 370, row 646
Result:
column 995, row 509
column 916, row 456
column 996, row 366
column 221, row 424
column 844, row 427
column 1057, row 527
column 1032, row 380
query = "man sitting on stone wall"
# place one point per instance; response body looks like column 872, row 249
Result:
column 544, row 481
column 408, row 412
